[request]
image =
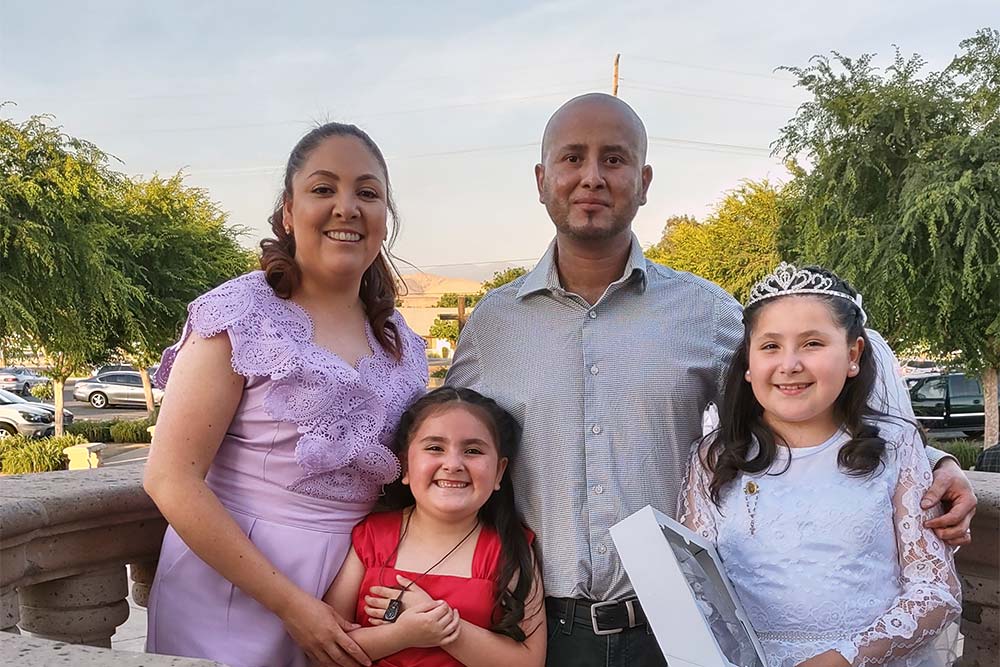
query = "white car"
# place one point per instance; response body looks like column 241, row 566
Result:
column 21, row 417
column 19, row 379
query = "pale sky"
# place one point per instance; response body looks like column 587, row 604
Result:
column 455, row 93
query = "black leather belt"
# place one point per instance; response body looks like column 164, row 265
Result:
column 605, row 618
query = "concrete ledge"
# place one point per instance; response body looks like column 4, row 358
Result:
column 86, row 456
column 19, row 650
column 979, row 572
column 60, row 524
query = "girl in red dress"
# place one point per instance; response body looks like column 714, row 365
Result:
column 450, row 579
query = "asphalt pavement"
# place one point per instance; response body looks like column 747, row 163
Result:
column 82, row 410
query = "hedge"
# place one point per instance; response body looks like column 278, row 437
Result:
column 93, row 431
column 132, row 430
column 965, row 451
column 20, row 454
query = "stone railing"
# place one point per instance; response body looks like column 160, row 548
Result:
column 66, row 537
column 979, row 570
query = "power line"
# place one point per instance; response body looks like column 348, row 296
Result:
column 686, row 144
column 389, row 158
column 496, row 261
column 705, row 95
column 715, row 147
column 376, row 114
column 103, row 99
column 710, row 68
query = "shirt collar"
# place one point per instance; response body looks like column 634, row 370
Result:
column 545, row 275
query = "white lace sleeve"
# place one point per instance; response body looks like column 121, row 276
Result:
column 694, row 506
column 931, row 592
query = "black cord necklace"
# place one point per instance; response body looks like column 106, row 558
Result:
column 395, row 607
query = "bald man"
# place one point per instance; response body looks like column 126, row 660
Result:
column 608, row 361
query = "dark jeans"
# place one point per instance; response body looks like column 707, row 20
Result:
column 573, row 643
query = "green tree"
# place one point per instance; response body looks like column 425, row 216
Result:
column 735, row 246
column 501, row 278
column 901, row 195
column 450, row 299
column 60, row 293
column 95, row 264
column 175, row 244
column 445, row 330
column 658, row 251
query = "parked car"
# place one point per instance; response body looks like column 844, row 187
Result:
column 909, row 367
column 120, row 388
column 952, row 401
column 117, row 368
column 18, row 416
column 19, row 379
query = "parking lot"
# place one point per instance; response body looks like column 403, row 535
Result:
column 86, row 411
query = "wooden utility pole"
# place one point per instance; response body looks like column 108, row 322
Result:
column 461, row 313
column 614, row 79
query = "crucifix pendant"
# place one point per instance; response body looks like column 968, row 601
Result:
column 393, row 610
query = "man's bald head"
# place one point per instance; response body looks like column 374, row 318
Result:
column 588, row 103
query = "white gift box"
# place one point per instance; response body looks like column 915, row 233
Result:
column 695, row 615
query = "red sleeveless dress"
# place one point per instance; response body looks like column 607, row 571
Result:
column 375, row 540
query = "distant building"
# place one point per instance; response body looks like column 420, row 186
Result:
column 421, row 319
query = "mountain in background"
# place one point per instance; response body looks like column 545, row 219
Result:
column 424, row 289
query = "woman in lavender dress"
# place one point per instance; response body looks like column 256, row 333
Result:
column 283, row 393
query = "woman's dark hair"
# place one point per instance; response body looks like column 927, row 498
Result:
column 741, row 415
column 277, row 259
column 517, row 556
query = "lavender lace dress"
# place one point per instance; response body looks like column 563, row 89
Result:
column 301, row 463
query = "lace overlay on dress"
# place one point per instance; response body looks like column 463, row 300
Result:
column 829, row 565
column 345, row 415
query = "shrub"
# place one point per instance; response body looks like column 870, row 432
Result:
column 93, row 431
column 439, row 372
column 965, row 451
column 43, row 392
column 23, row 455
column 9, row 444
column 131, row 430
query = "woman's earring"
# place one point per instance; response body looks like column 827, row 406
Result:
column 854, row 368
column 747, row 374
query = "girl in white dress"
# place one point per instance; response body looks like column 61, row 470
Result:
column 812, row 498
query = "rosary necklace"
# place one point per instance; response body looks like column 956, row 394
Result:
column 395, row 607
column 750, row 494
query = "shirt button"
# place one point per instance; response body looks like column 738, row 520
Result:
column 595, row 429
column 601, row 549
column 594, row 370
column 593, row 314
column 598, row 489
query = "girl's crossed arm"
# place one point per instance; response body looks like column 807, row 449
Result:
column 475, row 646
column 426, row 624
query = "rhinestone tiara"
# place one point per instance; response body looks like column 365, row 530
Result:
column 786, row 279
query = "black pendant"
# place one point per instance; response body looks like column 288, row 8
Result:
column 393, row 610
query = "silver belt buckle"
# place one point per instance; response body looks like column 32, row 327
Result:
column 593, row 618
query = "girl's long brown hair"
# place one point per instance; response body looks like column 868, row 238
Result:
column 378, row 286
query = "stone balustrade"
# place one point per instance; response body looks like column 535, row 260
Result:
column 66, row 537
column 979, row 570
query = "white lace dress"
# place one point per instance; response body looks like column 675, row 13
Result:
column 822, row 560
